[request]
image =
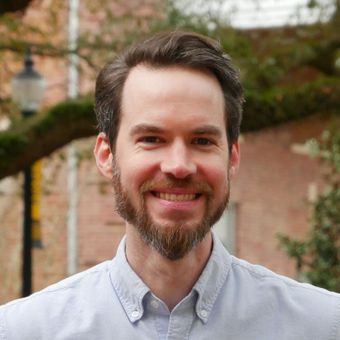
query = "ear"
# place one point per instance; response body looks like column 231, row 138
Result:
column 103, row 155
column 234, row 159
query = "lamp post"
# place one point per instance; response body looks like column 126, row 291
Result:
column 27, row 91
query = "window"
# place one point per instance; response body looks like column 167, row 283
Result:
column 225, row 228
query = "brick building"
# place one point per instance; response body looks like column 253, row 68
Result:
column 269, row 195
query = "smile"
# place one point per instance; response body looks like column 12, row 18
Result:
column 175, row 197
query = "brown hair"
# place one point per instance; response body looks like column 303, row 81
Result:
column 168, row 49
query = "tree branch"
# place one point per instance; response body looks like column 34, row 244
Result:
column 36, row 137
column 33, row 138
column 13, row 5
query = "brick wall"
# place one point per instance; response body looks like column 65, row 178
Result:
column 50, row 262
column 270, row 192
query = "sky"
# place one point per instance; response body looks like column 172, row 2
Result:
column 263, row 13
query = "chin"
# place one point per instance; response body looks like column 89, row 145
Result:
column 167, row 224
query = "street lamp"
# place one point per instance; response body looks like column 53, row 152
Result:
column 27, row 91
column 28, row 87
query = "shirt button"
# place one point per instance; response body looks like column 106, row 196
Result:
column 154, row 304
column 135, row 314
column 204, row 313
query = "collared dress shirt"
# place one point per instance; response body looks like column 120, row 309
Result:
column 232, row 299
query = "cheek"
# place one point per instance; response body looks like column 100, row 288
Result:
column 134, row 172
column 217, row 176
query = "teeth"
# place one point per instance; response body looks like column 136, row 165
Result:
column 174, row 197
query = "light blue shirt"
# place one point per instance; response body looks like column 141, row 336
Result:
column 232, row 299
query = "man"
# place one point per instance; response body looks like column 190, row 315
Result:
column 169, row 112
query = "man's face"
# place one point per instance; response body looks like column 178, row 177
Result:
column 171, row 165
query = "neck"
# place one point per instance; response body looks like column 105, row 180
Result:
column 169, row 280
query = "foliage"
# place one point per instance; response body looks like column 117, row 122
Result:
column 13, row 5
column 318, row 256
column 288, row 73
column 106, row 28
column 37, row 136
column 282, row 104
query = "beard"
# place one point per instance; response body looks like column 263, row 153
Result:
column 174, row 239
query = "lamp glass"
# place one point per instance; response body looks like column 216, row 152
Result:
column 28, row 86
column 27, row 92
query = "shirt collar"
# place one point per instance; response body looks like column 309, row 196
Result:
column 129, row 287
column 212, row 279
column 131, row 290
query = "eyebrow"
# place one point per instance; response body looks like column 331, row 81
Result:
column 201, row 130
column 207, row 130
column 145, row 128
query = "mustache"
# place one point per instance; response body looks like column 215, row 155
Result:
column 168, row 183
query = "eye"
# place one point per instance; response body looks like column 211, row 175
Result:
column 150, row 139
column 202, row 141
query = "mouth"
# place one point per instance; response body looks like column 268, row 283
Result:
column 175, row 197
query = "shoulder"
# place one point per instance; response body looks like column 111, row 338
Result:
column 298, row 302
column 59, row 301
column 80, row 282
column 257, row 273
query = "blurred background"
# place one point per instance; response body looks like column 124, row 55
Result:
column 56, row 212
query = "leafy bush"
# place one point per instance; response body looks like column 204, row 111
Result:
column 318, row 256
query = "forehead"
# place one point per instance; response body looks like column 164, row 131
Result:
column 169, row 93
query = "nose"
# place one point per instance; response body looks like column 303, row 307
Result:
column 177, row 162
